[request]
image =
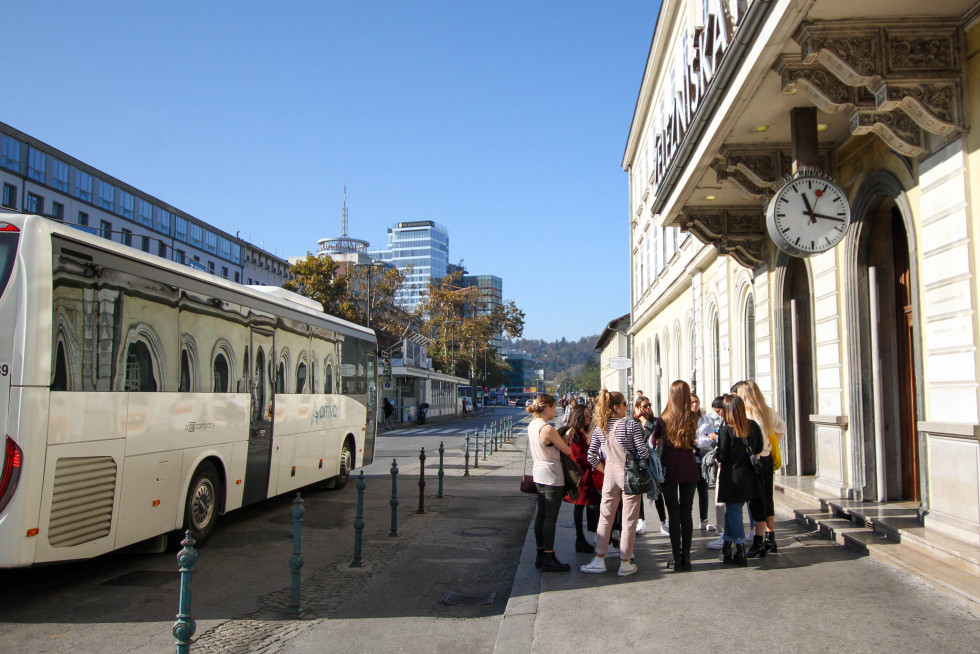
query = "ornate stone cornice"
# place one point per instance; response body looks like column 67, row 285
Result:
column 909, row 70
column 735, row 231
column 756, row 170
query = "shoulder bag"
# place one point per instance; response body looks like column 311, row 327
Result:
column 638, row 477
column 527, row 481
column 777, row 459
column 753, row 459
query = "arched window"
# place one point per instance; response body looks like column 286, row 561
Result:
column 220, row 371
column 259, row 385
column 60, row 379
column 749, row 337
column 281, row 376
column 301, row 377
column 184, row 386
column 139, row 368
column 716, row 354
column 328, row 377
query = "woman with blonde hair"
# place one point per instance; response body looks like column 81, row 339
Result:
column 676, row 433
column 737, row 480
column 546, row 448
column 770, row 423
column 614, row 434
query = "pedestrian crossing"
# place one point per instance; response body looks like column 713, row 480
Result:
column 424, row 431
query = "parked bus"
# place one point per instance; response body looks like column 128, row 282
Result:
column 141, row 397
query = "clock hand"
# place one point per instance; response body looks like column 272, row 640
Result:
column 809, row 211
column 820, row 215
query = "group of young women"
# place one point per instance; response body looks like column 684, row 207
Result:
column 599, row 440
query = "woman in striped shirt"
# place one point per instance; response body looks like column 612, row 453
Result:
column 613, row 435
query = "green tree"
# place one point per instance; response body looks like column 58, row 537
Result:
column 321, row 279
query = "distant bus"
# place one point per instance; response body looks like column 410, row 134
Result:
column 141, row 397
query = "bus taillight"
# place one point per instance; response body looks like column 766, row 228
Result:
column 7, row 227
column 11, row 472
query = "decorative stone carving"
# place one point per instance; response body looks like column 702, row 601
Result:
column 739, row 181
column 853, row 55
column 822, row 87
column 896, row 128
column 737, row 232
column 931, row 104
column 756, row 170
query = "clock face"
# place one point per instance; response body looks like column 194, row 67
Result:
column 808, row 215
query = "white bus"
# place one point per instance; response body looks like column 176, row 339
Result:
column 140, row 397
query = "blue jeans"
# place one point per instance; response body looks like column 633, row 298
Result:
column 734, row 527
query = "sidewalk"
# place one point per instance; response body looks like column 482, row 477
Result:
column 813, row 596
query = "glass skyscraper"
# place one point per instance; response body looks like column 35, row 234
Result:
column 421, row 244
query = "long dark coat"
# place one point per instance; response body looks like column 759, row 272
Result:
column 737, row 481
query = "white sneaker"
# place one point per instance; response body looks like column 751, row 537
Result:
column 641, row 527
column 596, row 566
column 664, row 530
column 626, row 568
column 718, row 543
column 705, row 526
column 612, row 549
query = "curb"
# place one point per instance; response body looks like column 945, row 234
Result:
column 516, row 632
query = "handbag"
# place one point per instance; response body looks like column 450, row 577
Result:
column 777, row 459
column 527, row 481
column 753, row 459
column 638, row 478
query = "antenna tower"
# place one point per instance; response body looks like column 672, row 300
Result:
column 343, row 216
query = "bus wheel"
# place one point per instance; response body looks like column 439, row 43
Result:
column 203, row 503
column 346, row 464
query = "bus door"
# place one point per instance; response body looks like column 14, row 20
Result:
column 260, row 420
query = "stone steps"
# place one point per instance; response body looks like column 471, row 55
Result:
column 892, row 534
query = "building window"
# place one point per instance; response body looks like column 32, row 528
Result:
column 145, row 216
column 716, row 354
column 195, row 235
column 238, row 277
column 127, row 237
column 83, row 186
column 180, row 228
column 105, row 229
column 83, row 219
column 10, row 196
column 301, row 377
column 145, row 246
column 749, row 337
column 10, row 154
column 220, row 368
column 36, row 165
column 210, row 266
column 59, row 174
column 211, row 242
column 179, row 256
column 224, row 271
column 163, row 221
column 35, row 204
column 184, row 383
column 162, row 249
column 107, row 195
column 126, row 204
column 139, row 368
column 58, row 210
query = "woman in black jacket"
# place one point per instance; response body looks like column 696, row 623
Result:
column 738, row 482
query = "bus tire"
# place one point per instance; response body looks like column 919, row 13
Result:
column 203, row 503
column 346, row 465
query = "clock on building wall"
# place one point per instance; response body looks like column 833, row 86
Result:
column 808, row 215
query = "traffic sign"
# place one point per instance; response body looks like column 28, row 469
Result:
column 620, row 363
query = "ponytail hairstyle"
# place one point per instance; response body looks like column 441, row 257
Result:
column 540, row 403
column 603, row 411
column 735, row 415
column 681, row 423
column 755, row 406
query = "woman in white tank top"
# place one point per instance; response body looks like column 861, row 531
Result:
column 546, row 447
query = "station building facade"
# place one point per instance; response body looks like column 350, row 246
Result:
column 869, row 349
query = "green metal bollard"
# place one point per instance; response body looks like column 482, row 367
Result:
column 394, row 498
column 496, row 438
column 466, row 458
column 485, row 439
column 359, row 522
column 442, row 473
column 185, row 626
column 296, row 560
column 476, row 449
column 421, row 482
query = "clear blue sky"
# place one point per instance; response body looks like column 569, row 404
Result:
column 505, row 121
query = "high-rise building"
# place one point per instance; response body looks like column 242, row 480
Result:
column 423, row 245
column 491, row 296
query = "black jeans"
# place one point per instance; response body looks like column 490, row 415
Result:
column 679, row 499
column 703, row 493
column 762, row 505
column 549, row 503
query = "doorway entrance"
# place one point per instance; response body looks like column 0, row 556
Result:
column 891, row 328
column 800, row 374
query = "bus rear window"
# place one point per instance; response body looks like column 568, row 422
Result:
column 8, row 252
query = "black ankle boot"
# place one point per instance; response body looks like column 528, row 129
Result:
column 758, row 548
column 726, row 552
column 739, row 558
column 551, row 564
column 539, row 558
column 770, row 542
column 582, row 545
column 686, row 563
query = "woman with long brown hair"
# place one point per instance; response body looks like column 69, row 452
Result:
column 676, row 435
column 762, row 508
column 613, row 435
column 738, row 482
column 577, row 435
